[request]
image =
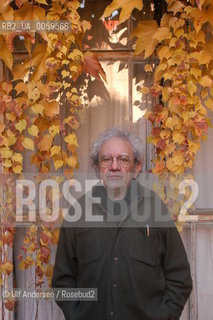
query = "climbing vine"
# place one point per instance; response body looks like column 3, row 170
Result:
column 40, row 103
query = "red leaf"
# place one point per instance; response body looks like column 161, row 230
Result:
column 161, row 144
column 151, row 117
column 156, row 131
column 158, row 108
column 92, row 66
column 9, row 304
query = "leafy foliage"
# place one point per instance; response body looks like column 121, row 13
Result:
column 183, row 80
column 39, row 113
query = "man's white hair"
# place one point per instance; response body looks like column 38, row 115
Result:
column 116, row 133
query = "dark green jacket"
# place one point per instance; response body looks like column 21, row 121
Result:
column 140, row 269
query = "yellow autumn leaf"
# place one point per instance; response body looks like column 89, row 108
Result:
column 63, row 49
column 72, row 162
column 196, row 72
column 206, row 54
column 74, row 68
column 29, row 11
column 178, row 137
column 59, row 55
column 7, row 267
column 4, row 141
column 58, row 164
column 209, row 103
column 46, row 143
column 71, row 139
column 17, row 157
column 65, row 61
column 11, row 116
column 206, row 81
column 192, row 88
column 20, row 87
column 170, row 164
column 145, row 90
column 51, row 108
column 162, row 33
column 165, row 20
column 43, row 88
column 204, row 92
column 126, row 7
column 21, row 125
column 38, row 60
column 165, row 134
column 53, row 130
column 167, row 76
column 5, row 53
column 76, row 55
column 17, row 169
column 33, row 94
column 65, row 74
column 11, row 140
column 193, row 146
column 74, row 98
column 66, row 85
column 72, row 122
column 145, row 42
column 38, row 108
column 178, row 157
column 169, row 149
column 28, row 144
column 176, row 6
column 86, row 25
column 165, row 52
column 68, row 94
column 33, row 130
column 176, row 23
column 6, row 153
column 55, row 150
column 7, row 163
column 166, row 91
column 148, row 68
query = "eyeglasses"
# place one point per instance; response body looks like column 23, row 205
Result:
column 123, row 160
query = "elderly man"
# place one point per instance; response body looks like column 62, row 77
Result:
column 137, row 263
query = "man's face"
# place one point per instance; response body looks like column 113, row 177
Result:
column 116, row 163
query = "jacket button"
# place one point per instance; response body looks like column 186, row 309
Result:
column 111, row 313
column 114, row 285
column 115, row 258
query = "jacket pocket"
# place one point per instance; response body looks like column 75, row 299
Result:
column 144, row 246
column 88, row 248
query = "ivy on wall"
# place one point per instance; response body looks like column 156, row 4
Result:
column 40, row 104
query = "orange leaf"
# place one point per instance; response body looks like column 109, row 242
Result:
column 176, row 6
column 161, row 34
column 144, row 33
column 9, row 304
column 206, row 55
column 46, row 143
column 5, row 53
column 7, row 267
column 30, row 12
column 51, row 108
column 92, row 66
column 37, row 59
column 126, row 7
